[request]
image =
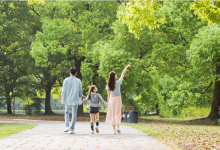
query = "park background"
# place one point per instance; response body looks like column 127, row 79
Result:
column 173, row 48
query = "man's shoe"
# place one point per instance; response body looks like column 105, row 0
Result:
column 92, row 131
column 72, row 132
column 118, row 130
column 114, row 132
column 66, row 129
column 97, row 129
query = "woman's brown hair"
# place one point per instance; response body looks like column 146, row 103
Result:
column 92, row 87
column 111, row 81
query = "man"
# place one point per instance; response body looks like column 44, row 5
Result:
column 71, row 96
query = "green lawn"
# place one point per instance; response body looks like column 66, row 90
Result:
column 7, row 129
column 182, row 133
column 149, row 117
column 158, row 117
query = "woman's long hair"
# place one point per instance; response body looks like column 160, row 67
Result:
column 92, row 87
column 111, row 81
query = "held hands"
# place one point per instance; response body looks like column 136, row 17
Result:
column 62, row 102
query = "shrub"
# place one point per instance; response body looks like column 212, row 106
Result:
column 166, row 112
column 194, row 112
column 35, row 107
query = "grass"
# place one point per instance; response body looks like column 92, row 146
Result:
column 177, row 118
column 7, row 129
column 149, row 117
column 181, row 133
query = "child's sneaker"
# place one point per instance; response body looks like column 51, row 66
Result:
column 118, row 130
column 114, row 132
column 97, row 129
column 92, row 131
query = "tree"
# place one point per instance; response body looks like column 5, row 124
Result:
column 204, row 55
column 16, row 31
column 48, row 50
column 162, row 54
column 170, row 42
column 68, row 33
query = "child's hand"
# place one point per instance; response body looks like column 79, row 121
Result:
column 107, row 105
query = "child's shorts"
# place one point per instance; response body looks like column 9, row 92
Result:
column 93, row 110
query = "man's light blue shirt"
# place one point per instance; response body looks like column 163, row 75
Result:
column 72, row 91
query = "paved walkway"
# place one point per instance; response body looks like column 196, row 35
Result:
column 50, row 135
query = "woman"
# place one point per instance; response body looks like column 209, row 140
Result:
column 114, row 100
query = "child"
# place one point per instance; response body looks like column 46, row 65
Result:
column 95, row 98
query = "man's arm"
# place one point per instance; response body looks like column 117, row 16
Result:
column 62, row 99
column 63, row 91
column 80, row 91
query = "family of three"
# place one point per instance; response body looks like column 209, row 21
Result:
column 72, row 94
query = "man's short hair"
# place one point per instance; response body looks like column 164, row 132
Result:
column 73, row 70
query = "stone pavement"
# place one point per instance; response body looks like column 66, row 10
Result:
column 49, row 135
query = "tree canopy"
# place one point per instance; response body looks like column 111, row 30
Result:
column 172, row 47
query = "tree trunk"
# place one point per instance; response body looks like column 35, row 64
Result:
column 157, row 109
column 216, row 98
column 79, row 75
column 8, row 103
column 48, row 109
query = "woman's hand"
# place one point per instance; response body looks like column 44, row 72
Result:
column 124, row 71
column 128, row 65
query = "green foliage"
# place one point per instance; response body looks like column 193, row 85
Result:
column 203, row 53
column 35, row 107
column 1, row 23
column 166, row 111
column 207, row 10
column 159, row 61
column 172, row 65
column 139, row 14
column 195, row 112
column 51, row 41
column 17, row 29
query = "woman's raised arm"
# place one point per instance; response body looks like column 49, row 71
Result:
column 124, row 71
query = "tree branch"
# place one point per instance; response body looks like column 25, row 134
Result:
column 207, row 88
column 34, row 11
column 53, row 12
